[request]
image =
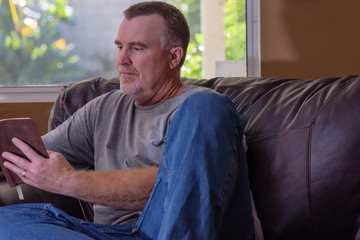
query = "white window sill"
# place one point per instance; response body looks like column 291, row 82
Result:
column 29, row 94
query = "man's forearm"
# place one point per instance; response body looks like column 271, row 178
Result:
column 125, row 189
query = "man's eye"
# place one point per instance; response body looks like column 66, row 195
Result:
column 136, row 48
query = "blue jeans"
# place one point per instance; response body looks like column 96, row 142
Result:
column 201, row 191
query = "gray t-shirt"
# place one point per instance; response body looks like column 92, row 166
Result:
column 112, row 132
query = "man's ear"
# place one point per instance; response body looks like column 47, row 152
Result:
column 176, row 54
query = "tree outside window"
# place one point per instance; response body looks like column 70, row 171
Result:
column 32, row 52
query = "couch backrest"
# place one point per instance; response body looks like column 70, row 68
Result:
column 303, row 148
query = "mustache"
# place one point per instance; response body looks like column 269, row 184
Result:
column 122, row 69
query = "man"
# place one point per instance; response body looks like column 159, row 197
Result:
column 168, row 160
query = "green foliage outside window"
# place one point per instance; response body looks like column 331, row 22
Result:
column 31, row 50
column 235, row 33
column 235, row 29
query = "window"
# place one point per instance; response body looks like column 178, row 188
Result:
column 54, row 42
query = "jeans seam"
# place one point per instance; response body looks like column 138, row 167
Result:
column 139, row 222
column 229, row 175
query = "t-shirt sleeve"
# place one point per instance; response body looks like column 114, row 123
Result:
column 73, row 138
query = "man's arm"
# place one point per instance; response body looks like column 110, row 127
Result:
column 125, row 189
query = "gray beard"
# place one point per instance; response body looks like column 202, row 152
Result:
column 132, row 90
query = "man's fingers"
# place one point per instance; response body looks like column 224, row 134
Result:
column 13, row 167
column 18, row 163
column 13, row 159
column 26, row 149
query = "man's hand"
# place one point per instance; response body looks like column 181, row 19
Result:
column 50, row 174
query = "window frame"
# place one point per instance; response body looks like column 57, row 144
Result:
column 253, row 55
column 29, row 94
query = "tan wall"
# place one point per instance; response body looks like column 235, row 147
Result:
column 310, row 39
column 37, row 111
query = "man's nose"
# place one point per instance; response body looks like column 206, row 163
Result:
column 123, row 57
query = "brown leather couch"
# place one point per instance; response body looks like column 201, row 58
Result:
column 303, row 140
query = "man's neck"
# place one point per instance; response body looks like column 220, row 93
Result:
column 176, row 90
column 173, row 88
